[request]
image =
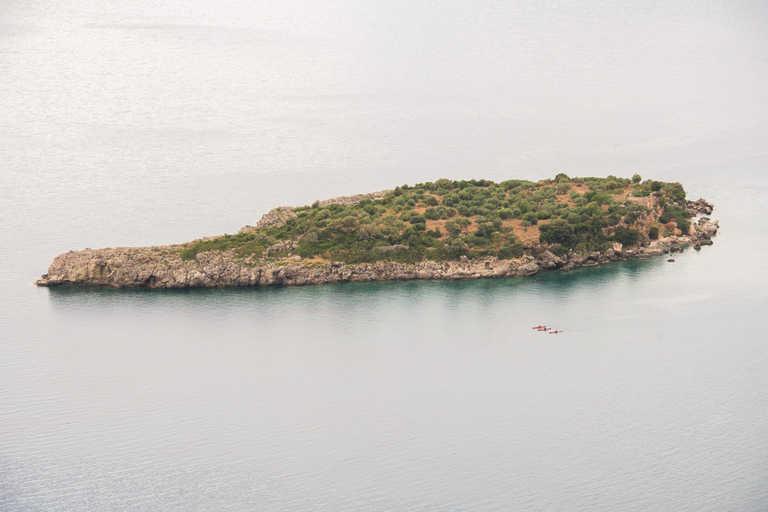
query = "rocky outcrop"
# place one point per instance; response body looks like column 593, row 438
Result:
column 699, row 207
column 390, row 248
column 274, row 217
column 283, row 246
column 351, row 200
column 282, row 214
column 548, row 260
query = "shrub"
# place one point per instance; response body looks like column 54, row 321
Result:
column 476, row 241
column 505, row 213
column 531, row 218
column 509, row 251
column 455, row 247
column 653, row 233
column 463, row 222
column 524, row 206
column 558, row 250
column 559, row 231
column 677, row 192
column 626, row 236
column 484, row 230
column 451, row 199
column 453, row 228
column 308, row 249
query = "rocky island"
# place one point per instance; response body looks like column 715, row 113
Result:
column 437, row 230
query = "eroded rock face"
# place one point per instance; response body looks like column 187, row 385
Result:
column 132, row 268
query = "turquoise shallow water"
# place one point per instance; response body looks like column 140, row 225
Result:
column 147, row 124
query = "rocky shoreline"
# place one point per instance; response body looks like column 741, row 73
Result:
column 161, row 267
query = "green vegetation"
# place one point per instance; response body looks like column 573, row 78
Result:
column 243, row 245
column 445, row 220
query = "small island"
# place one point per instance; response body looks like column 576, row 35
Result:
column 436, row 230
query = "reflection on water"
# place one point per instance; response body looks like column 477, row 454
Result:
column 546, row 281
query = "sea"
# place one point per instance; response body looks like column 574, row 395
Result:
column 148, row 123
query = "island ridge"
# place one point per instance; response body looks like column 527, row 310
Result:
column 437, row 230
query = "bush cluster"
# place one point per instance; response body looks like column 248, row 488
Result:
column 475, row 217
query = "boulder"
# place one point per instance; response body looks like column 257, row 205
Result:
column 654, row 251
column 699, row 207
column 548, row 260
column 389, row 248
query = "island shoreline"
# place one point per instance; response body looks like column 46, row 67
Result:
column 203, row 264
column 103, row 267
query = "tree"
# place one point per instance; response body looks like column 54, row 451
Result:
column 678, row 193
column 523, row 205
column 531, row 218
column 626, row 236
column 559, row 231
column 636, row 179
column 453, row 228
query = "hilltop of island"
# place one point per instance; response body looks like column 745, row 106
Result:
column 436, row 230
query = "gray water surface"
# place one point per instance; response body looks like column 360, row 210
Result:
column 151, row 123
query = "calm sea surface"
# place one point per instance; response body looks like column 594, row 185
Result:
column 140, row 123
